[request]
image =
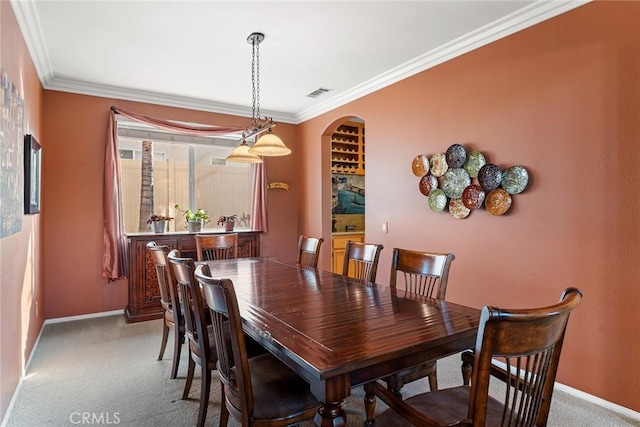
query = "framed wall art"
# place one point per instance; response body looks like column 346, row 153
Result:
column 32, row 177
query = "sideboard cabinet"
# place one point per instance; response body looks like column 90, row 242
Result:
column 144, row 294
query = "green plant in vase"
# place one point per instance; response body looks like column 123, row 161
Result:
column 194, row 221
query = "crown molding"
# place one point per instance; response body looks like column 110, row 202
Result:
column 29, row 23
column 106, row 91
column 526, row 17
column 533, row 14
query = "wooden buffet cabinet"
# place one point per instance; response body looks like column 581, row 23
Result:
column 144, row 294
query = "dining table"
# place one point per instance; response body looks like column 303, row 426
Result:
column 337, row 332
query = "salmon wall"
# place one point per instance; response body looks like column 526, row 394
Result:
column 562, row 99
column 76, row 130
column 21, row 279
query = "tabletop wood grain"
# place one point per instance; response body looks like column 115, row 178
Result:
column 339, row 333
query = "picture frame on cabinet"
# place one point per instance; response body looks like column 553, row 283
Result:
column 32, row 174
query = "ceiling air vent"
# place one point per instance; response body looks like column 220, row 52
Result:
column 316, row 93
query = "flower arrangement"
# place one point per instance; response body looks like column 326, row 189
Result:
column 224, row 218
column 189, row 215
column 155, row 218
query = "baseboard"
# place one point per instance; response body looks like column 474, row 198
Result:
column 585, row 396
column 83, row 316
column 598, row 401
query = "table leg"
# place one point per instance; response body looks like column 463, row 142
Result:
column 369, row 406
column 330, row 415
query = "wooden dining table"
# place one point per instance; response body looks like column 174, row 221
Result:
column 338, row 333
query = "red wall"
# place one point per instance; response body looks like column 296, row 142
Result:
column 21, row 279
column 561, row 98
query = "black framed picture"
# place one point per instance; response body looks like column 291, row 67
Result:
column 32, row 164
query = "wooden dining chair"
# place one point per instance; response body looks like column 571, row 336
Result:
column 424, row 274
column 169, row 300
column 210, row 247
column 528, row 342
column 202, row 349
column 257, row 391
column 309, row 251
column 361, row 260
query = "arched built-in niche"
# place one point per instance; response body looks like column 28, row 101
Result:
column 343, row 185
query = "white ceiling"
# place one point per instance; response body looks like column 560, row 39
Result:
column 195, row 54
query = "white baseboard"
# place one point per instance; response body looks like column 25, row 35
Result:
column 598, row 401
column 585, row 396
column 83, row 316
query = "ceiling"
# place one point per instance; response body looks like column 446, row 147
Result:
column 194, row 54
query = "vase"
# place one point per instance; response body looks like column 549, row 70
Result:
column 194, row 226
column 228, row 225
column 158, row 226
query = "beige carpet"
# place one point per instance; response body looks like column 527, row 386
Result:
column 104, row 372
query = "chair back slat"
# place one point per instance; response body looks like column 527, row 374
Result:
column 309, row 251
column 424, row 273
column 192, row 304
column 211, row 247
column 361, row 260
column 529, row 343
column 166, row 283
column 233, row 363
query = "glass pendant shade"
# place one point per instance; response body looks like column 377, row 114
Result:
column 269, row 144
column 241, row 154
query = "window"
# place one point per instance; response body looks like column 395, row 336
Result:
column 188, row 171
column 137, row 154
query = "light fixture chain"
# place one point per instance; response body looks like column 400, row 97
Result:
column 258, row 80
column 253, row 84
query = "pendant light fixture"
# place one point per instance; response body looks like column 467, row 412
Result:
column 268, row 144
column 241, row 154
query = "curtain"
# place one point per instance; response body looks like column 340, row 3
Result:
column 258, row 198
column 114, row 260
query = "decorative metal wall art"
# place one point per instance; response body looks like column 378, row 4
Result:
column 448, row 179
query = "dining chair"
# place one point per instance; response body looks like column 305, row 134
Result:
column 309, row 251
column 169, row 300
column 202, row 349
column 361, row 260
column 257, row 391
column 210, row 247
column 526, row 343
column 199, row 331
column 424, row 274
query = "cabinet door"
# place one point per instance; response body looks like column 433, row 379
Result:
column 338, row 244
column 338, row 260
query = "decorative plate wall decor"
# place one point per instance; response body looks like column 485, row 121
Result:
column 458, row 210
column 438, row 165
column 498, row 202
column 475, row 160
column 515, row 179
column 490, row 177
column 456, row 155
column 454, row 182
column 473, row 196
column 437, row 200
column 428, row 183
column 420, row 165
column 447, row 179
